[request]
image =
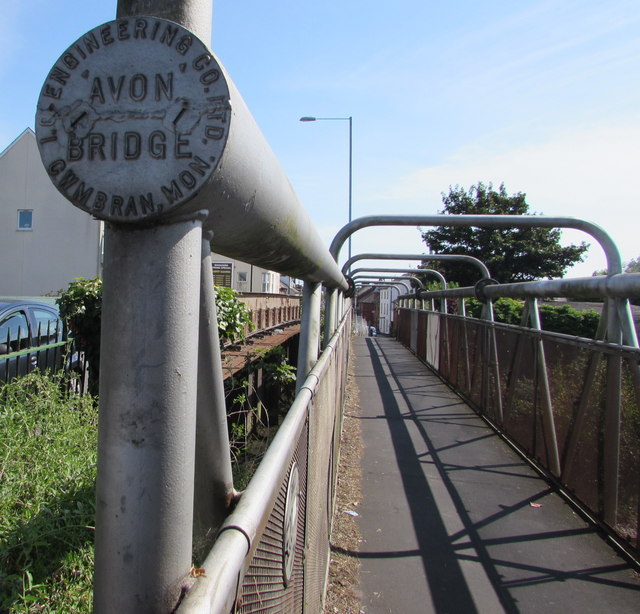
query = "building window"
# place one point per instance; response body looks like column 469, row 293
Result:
column 242, row 276
column 25, row 219
column 266, row 286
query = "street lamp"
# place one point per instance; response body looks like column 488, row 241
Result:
column 350, row 120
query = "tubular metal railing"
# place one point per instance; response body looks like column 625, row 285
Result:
column 272, row 552
column 553, row 395
column 164, row 467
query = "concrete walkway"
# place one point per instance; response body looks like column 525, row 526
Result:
column 453, row 521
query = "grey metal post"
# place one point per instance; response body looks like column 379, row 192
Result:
column 146, row 448
column 195, row 15
column 144, row 492
column 612, row 438
column 465, row 344
column 309, row 331
column 547, row 405
column 213, row 477
column 330, row 315
column 612, row 415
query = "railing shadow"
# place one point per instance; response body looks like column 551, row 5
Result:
column 442, row 553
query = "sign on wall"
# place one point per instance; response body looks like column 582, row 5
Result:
column 222, row 274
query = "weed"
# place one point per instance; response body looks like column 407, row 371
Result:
column 47, row 476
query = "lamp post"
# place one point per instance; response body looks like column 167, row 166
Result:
column 350, row 120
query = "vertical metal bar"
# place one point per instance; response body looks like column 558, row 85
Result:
column 146, row 436
column 310, row 330
column 148, row 384
column 330, row 315
column 495, row 365
column 583, row 402
column 514, row 370
column 612, row 416
column 213, row 478
column 625, row 318
column 548, row 421
column 465, row 342
column 612, row 438
column 195, row 15
column 350, row 175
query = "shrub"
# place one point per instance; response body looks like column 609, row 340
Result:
column 81, row 307
column 233, row 316
column 569, row 321
column 553, row 318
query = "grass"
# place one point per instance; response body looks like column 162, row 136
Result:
column 48, row 448
column 47, row 484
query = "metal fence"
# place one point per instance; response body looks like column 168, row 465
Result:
column 272, row 552
column 269, row 311
column 566, row 426
column 22, row 352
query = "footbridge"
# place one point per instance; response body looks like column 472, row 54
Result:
column 501, row 463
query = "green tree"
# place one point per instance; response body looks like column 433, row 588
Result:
column 511, row 254
column 633, row 266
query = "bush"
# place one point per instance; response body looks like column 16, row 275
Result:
column 553, row 318
column 81, row 307
column 233, row 316
column 569, row 321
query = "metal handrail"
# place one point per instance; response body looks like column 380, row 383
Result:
column 216, row 592
column 612, row 253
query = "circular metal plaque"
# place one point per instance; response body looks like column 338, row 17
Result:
column 132, row 119
column 290, row 532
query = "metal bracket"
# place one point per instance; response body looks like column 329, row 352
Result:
column 481, row 285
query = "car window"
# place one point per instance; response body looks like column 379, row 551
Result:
column 48, row 326
column 14, row 331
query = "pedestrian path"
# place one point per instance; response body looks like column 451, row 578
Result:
column 453, row 521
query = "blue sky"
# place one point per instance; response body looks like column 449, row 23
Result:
column 541, row 95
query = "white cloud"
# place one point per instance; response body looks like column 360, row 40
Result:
column 587, row 172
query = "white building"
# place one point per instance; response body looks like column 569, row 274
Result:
column 386, row 311
column 45, row 242
column 244, row 277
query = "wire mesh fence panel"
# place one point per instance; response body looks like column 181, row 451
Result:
column 287, row 571
column 628, row 517
column 320, row 490
column 273, row 583
column 548, row 391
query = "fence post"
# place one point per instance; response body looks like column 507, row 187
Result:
column 310, row 330
column 144, row 492
column 612, row 416
column 547, row 405
column 146, row 448
column 213, row 478
column 330, row 315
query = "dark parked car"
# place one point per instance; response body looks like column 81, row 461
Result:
column 31, row 337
